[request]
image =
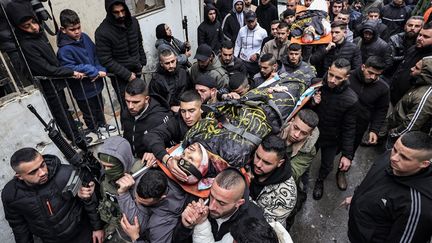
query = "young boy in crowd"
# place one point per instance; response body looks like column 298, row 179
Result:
column 78, row 52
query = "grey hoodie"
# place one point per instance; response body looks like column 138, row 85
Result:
column 119, row 148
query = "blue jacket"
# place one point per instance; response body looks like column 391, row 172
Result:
column 81, row 57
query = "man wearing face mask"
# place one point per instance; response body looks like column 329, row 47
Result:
column 119, row 45
column 374, row 97
column 115, row 156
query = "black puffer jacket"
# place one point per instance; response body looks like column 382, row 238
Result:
column 170, row 85
column 27, row 212
column 236, row 65
column 134, row 128
column 337, row 117
column 210, row 33
column 376, row 47
column 373, row 98
column 119, row 48
column 395, row 17
column 401, row 81
column 322, row 59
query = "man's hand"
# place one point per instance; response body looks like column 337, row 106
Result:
column 231, row 96
column 102, row 74
column 149, row 159
column 195, row 213
column 78, row 75
column 330, row 46
column 187, row 45
column 284, row 133
column 126, row 182
column 175, row 170
column 373, row 138
column 132, row 76
column 132, row 230
column 188, row 53
column 344, row 164
column 175, row 108
column 346, row 202
column 317, row 98
column 85, row 192
column 98, row 236
column 254, row 58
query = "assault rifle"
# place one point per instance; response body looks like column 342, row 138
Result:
column 185, row 28
column 87, row 168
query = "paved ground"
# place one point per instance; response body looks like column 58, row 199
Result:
column 324, row 221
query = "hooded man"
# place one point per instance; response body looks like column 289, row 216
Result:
column 119, row 45
column 210, row 30
column 115, row 156
column 372, row 45
column 166, row 41
column 233, row 21
column 208, row 63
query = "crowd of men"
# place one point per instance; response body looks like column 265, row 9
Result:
column 375, row 79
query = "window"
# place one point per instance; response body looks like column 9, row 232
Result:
column 138, row 7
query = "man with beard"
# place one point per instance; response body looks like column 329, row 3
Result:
column 278, row 46
column 169, row 81
column 228, row 61
column 401, row 42
column 372, row 45
column 344, row 16
column 268, row 70
column 207, row 63
column 339, row 47
column 119, row 46
column 206, row 88
column 249, row 6
column 233, row 21
column 273, row 33
column 228, row 204
column 401, row 80
column 166, row 41
column 248, row 43
column 374, row 97
column 33, row 202
column 210, row 31
column 144, row 112
column 337, row 120
column 271, row 175
column 295, row 67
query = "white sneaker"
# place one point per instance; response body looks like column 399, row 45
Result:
column 107, row 128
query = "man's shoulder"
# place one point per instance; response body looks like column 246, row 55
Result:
column 9, row 191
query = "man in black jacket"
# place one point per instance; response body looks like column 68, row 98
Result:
column 170, row 80
column 233, row 21
column 174, row 130
column 230, row 62
column 339, row 47
column 266, row 13
column 119, row 45
column 374, row 98
column 337, row 111
column 395, row 15
column 210, row 30
column 228, row 203
column 401, row 81
column 393, row 202
column 144, row 112
column 43, row 62
column 34, row 205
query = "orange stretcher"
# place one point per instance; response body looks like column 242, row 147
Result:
column 324, row 40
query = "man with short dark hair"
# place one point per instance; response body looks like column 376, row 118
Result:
column 401, row 80
column 144, row 112
column 374, row 97
column 278, row 46
column 395, row 15
column 393, row 202
column 169, row 80
column 273, row 32
column 119, row 46
column 295, row 67
column 339, row 47
column 272, row 174
column 337, row 112
column 33, row 202
column 228, row 204
column 254, row 230
column 207, row 63
column 268, row 70
column 248, row 43
column 344, row 16
column 151, row 211
column 228, row 61
column 335, row 8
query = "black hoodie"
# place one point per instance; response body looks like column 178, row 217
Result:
column 119, row 47
column 210, row 33
column 390, row 208
column 265, row 15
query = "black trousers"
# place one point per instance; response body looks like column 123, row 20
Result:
column 328, row 154
column 93, row 112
